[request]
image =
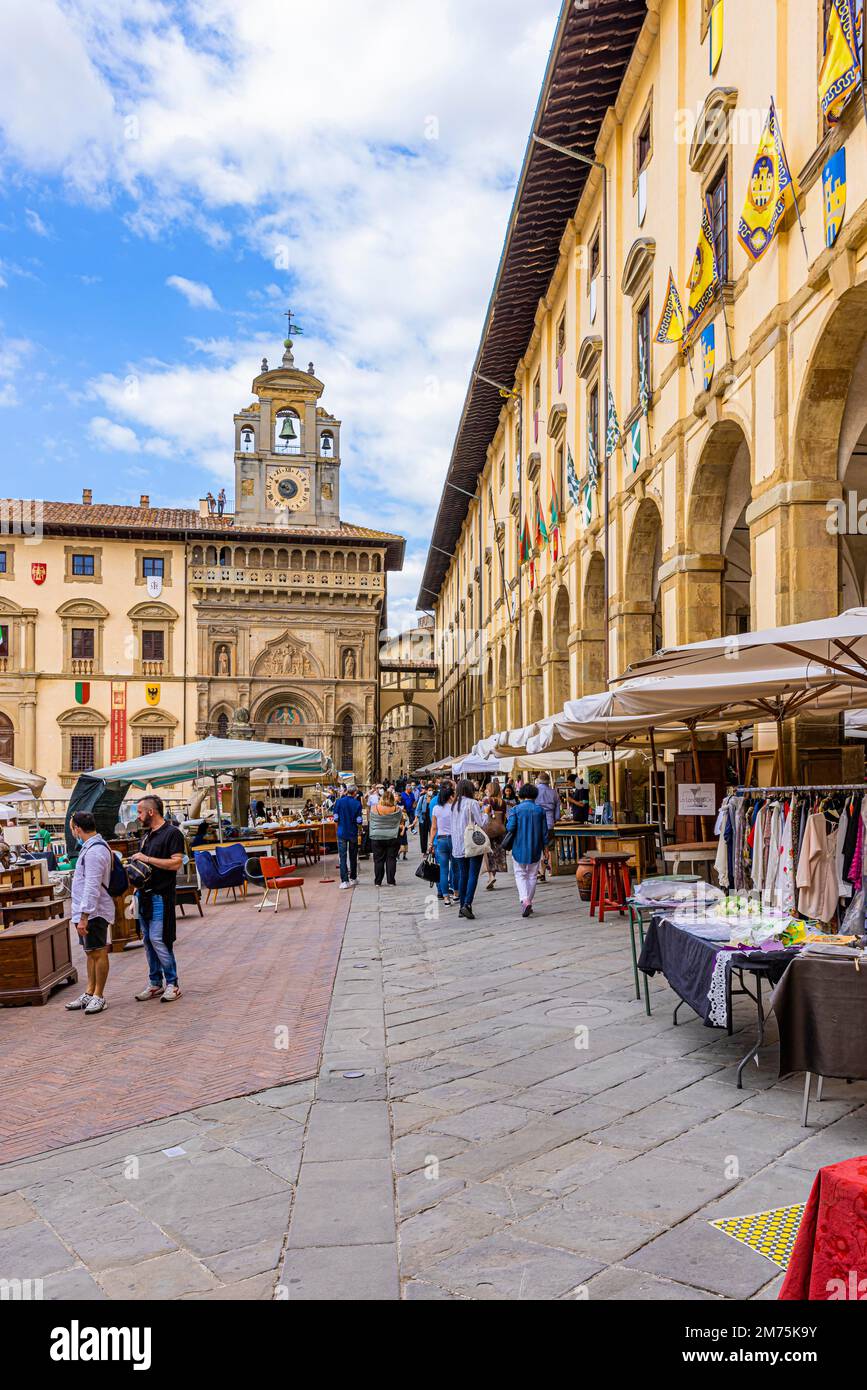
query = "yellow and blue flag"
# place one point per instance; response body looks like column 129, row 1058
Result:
column 841, row 70
column 772, row 191
column 715, row 29
column 834, row 190
column 703, row 282
column 672, row 325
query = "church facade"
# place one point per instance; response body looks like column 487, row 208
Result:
column 126, row 629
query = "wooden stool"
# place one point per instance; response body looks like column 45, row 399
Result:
column 611, row 884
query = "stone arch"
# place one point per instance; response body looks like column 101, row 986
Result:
column 826, row 387
column 535, row 668
column 219, row 720
column 267, row 713
column 561, row 629
column 7, row 739
column 641, row 610
column 717, row 601
column 502, row 718
column 593, row 627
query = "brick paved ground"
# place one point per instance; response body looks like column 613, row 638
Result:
column 243, row 974
column 480, row 1155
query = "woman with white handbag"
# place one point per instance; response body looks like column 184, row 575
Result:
column 469, row 844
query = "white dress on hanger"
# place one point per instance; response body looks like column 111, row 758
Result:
column 786, row 868
column 758, row 866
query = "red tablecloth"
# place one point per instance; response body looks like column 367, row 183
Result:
column 829, row 1260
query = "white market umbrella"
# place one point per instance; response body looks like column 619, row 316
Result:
column 14, row 779
column 464, row 766
column 211, row 756
column 838, row 644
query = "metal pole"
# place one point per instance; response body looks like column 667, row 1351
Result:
column 613, row 787
column 659, row 817
column 696, row 772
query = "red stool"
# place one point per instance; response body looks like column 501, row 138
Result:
column 276, row 881
column 611, row 884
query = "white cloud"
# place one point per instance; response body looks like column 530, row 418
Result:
column 121, row 439
column 197, row 295
column 35, row 223
column 365, row 154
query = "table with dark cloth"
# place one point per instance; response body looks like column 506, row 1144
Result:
column 687, row 961
column 821, row 1008
column 829, row 1261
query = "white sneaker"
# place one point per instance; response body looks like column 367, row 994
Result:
column 96, row 1005
column 80, row 1003
column 343, row 885
column 150, row 992
column 353, row 883
column 169, row 993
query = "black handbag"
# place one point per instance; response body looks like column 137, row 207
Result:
column 428, row 869
column 508, row 840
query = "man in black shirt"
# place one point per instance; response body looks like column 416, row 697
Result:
column 162, row 849
column 578, row 798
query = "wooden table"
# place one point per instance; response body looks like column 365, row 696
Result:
column 635, row 838
column 22, row 875
column 26, row 892
column 38, row 910
column 35, row 957
column 692, row 853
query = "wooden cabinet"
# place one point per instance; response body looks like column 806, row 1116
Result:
column 35, row 957
column 712, row 768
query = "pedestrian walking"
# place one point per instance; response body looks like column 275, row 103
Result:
column 441, row 822
column 466, row 812
column 494, row 807
column 423, row 816
column 407, row 800
column 92, row 909
column 550, row 803
column 347, row 814
column 528, row 825
column 162, row 851
column 386, row 821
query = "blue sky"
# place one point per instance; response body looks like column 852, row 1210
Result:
column 172, row 175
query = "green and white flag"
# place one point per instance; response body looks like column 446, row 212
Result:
column 588, row 504
column 612, row 437
column 635, row 445
column 573, row 487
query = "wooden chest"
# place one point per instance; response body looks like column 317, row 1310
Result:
column 35, row 957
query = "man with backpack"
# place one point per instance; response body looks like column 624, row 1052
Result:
column 162, row 854
column 92, row 909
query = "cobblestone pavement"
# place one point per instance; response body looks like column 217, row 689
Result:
column 485, row 1152
column 243, row 973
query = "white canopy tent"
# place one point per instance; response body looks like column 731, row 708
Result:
column 211, row 756
column 837, row 644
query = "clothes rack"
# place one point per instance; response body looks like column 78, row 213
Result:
column 819, row 787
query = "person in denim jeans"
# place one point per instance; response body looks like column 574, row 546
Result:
column 466, row 811
column 442, row 841
column 163, row 851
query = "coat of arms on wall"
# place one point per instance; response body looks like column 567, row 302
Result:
column 38, row 571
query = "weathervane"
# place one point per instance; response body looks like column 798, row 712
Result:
column 292, row 329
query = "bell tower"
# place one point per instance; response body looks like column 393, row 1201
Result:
column 287, row 449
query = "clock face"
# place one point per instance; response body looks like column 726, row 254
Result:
column 287, row 489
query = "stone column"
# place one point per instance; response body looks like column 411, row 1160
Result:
column 27, row 705
column 696, row 584
column 632, row 624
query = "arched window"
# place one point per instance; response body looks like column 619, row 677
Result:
column 225, row 556
column 287, row 432
column 346, row 745
column 248, row 440
column 326, row 444
column 223, row 726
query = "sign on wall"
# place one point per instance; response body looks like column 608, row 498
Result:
column 118, row 721
column 696, row 799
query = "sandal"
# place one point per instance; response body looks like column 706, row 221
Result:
column 492, row 884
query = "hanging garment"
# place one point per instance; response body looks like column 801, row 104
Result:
column 721, row 863
column 817, row 872
column 785, row 892
column 773, row 860
column 758, row 866
column 844, row 889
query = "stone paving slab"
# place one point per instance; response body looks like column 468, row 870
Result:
column 494, row 1117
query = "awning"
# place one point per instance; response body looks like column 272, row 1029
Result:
column 214, row 755
column 838, row 644
column 13, row 779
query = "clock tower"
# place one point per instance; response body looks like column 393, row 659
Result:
column 287, row 451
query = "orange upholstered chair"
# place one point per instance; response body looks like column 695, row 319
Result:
column 276, row 879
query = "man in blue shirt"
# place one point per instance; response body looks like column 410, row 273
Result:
column 347, row 814
column 528, row 824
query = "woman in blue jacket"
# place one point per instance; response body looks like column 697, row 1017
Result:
column 529, row 825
